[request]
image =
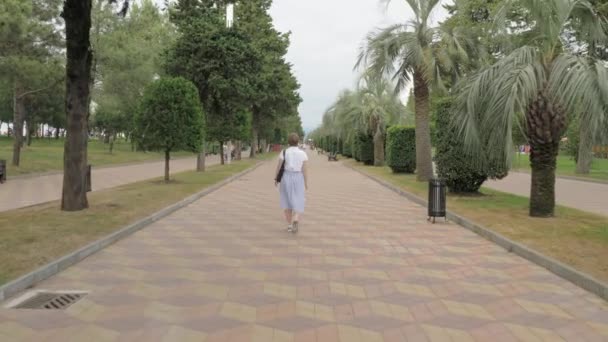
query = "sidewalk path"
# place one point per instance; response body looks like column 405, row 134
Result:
column 366, row 266
column 586, row 196
column 23, row 192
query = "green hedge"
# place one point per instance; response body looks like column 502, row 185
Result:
column 401, row 149
column 366, row 148
column 347, row 148
column 356, row 149
column 454, row 165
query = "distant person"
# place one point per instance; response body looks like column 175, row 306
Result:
column 294, row 183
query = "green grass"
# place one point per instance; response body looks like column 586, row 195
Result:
column 576, row 238
column 34, row 236
column 45, row 155
column 566, row 166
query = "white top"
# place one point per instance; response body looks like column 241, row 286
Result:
column 295, row 158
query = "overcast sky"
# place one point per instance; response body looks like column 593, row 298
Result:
column 325, row 42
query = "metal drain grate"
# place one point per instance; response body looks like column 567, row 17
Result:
column 51, row 301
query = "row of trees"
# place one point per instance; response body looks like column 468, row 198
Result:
column 83, row 65
column 498, row 71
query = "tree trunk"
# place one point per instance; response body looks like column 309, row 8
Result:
column 254, row 141
column 106, row 138
column 30, row 131
column 378, row 148
column 585, row 152
column 167, row 159
column 18, row 119
column 238, row 150
column 56, row 133
column 77, row 15
column 264, row 146
column 112, row 141
column 545, row 124
column 424, row 161
column 222, row 159
column 200, row 159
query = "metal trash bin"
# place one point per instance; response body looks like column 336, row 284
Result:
column 2, row 171
column 88, row 180
column 437, row 199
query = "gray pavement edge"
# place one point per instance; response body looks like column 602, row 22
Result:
column 578, row 278
column 29, row 280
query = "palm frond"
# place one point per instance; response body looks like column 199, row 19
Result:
column 490, row 102
column 580, row 84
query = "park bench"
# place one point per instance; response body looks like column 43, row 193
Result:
column 332, row 156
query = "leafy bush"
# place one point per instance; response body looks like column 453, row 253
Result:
column 401, row 149
column 573, row 134
column 454, row 165
column 366, row 148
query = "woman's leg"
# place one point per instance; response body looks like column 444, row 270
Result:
column 288, row 216
column 295, row 216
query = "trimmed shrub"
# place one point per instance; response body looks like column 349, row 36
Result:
column 366, row 148
column 454, row 165
column 401, row 149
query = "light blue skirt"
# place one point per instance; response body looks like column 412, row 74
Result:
column 293, row 191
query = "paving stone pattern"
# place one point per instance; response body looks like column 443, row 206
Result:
column 366, row 266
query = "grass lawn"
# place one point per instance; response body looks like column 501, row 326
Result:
column 34, row 236
column 576, row 238
column 47, row 155
column 566, row 166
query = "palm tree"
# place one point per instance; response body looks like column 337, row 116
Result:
column 368, row 110
column 379, row 107
column 417, row 51
column 534, row 88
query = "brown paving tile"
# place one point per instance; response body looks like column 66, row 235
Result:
column 212, row 324
column 295, row 324
column 376, row 323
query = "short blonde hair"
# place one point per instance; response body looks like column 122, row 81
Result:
column 293, row 139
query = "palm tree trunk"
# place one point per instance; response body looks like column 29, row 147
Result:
column 378, row 148
column 424, row 162
column 545, row 125
column 543, row 160
column 585, row 152
column 77, row 15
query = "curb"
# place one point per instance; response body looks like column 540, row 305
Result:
column 556, row 267
column 27, row 281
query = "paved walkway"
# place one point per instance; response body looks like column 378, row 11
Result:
column 366, row 266
column 23, row 192
column 586, row 196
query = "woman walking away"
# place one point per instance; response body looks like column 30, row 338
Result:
column 293, row 182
